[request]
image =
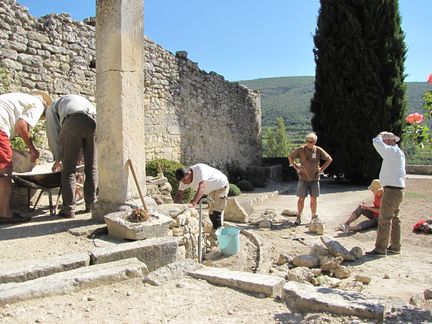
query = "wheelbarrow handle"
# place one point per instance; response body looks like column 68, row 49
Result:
column 25, row 183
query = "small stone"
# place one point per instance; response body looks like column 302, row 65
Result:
column 310, row 261
column 128, row 293
column 90, row 298
column 386, row 276
column 357, row 252
column 428, row 294
column 342, row 272
column 261, row 295
column 364, row 279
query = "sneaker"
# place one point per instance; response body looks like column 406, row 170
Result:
column 375, row 253
column 390, row 250
column 297, row 221
column 314, row 216
column 344, row 228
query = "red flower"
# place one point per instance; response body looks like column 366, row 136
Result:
column 414, row 118
column 430, row 78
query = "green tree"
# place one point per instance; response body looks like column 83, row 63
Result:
column 270, row 143
column 359, row 91
column 276, row 140
column 281, row 138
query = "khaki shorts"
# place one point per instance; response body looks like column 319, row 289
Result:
column 216, row 202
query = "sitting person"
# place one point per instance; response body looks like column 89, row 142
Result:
column 371, row 212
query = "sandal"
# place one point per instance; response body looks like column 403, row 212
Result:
column 15, row 219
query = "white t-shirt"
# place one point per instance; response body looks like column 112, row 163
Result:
column 14, row 106
column 213, row 178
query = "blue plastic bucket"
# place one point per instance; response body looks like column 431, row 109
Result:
column 229, row 240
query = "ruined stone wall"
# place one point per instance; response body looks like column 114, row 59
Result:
column 191, row 116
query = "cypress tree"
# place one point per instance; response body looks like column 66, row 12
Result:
column 359, row 82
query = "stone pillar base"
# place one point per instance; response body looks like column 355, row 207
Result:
column 103, row 208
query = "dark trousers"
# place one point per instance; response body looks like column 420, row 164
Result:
column 78, row 132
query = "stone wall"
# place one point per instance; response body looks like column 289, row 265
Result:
column 191, row 115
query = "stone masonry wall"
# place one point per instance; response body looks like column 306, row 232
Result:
column 191, row 116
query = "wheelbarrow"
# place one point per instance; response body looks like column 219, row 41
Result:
column 43, row 181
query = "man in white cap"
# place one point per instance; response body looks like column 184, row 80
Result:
column 392, row 178
column 71, row 127
column 18, row 113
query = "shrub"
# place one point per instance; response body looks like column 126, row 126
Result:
column 235, row 172
column 245, row 185
column 37, row 134
column 168, row 168
column 233, row 190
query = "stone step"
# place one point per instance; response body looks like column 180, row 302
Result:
column 73, row 280
column 32, row 269
column 244, row 281
column 306, row 298
column 155, row 253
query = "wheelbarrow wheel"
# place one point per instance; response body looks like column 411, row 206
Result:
column 79, row 191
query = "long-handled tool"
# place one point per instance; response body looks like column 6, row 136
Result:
column 129, row 162
column 200, row 231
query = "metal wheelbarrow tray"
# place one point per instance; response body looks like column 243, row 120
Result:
column 42, row 181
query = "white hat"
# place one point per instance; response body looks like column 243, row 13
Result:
column 389, row 136
column 45, row 96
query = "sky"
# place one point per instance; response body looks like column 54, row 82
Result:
column 251, row 39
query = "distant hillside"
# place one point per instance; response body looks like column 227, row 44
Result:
column 289, row 98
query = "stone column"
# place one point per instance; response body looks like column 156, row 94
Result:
column 119, row 101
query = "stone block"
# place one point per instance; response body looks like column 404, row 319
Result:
column 71, row 281
column 234, row 212
column 306, row 298
column 119, row 226
column 32, row 269
column 155, row 253
column 245, row 281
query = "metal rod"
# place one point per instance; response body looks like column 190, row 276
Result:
column 136, row 183
column 200, row 232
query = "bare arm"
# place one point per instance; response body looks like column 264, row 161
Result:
column 326, row 164
column 198, row 194
column 22, row 129
column 294, row 164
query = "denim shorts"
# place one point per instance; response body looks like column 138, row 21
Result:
column 305, row 187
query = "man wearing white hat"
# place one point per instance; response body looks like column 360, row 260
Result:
column 392, row 178
column 18, row 113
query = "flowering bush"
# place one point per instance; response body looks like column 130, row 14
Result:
column 414, row 118
column 417, row 130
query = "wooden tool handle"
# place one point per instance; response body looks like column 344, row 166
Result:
column 129, row 162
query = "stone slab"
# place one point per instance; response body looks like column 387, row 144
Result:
column 171, row 271
column 32, row 269
column 245, row 281
column 155, row 253
column 90, row 230
column 306, row 298
column 119, row 226
column 71, row 281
